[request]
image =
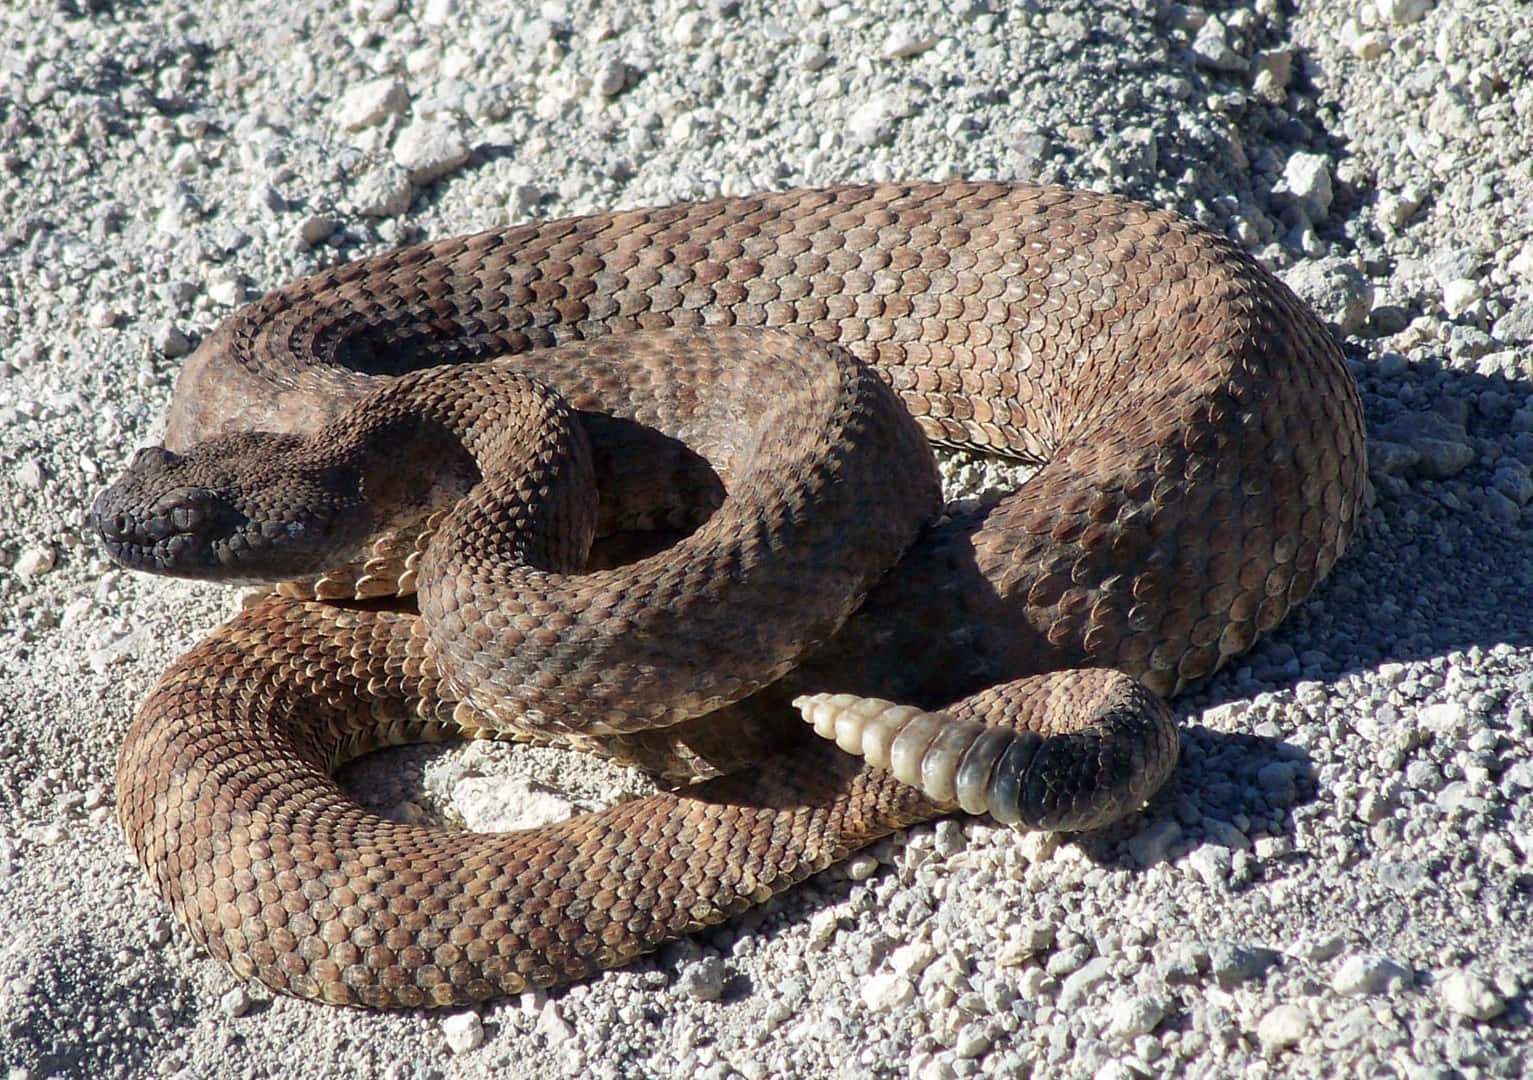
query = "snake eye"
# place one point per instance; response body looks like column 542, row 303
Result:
column 187, row 518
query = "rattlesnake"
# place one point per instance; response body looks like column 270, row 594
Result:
column 1202, row 466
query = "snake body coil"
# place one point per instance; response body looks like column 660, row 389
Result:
column 1202, row 466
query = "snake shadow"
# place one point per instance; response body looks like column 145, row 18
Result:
column 1439, row 575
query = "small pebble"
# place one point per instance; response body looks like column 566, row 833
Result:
column 1037, row 936
column 1367, row 973
column 235, row 1002
column 1404, row 12
column 1373, row 807
column 611, row 78
column 429, row 150
column 1335, row 288
column 1461, row 294
column 1132, row 1015
column 949, row 838
column 29, row 474
column 912, row 959
column 522, row 200
column 383, row 192
column 1282, row 1027
column 887, row 991
column 872, row 123
column 463, row 1031
column 1423, row 776
column 1514, row 480
column 1272, row 72
column 371, row 103
column 703, row 979
column 1272, row 847
column 1077, row 986
column 812, row 58
column 1211, row 47
column 1232, row 964
column 1182, row 963
column 315, row 230
column 1224, row 834
column 1033, row 984
column 438, row 12
column 973, row 1040
column 905, row 40
column 227, row 292
column 861, row 866
column 553, row 1026
column 169, row 341
column 823, row 925
column 1115, row 1069
column 1308, row 176
column 690, row 29
column 1277, row 781
column 1470, row 995
column 36, row 560
column 1209, row 863
column 1068, row 960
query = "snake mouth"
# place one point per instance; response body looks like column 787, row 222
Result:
column 180, row 515
column 186, row 532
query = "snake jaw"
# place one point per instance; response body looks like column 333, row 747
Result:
column 195, row 515
column 185, row 532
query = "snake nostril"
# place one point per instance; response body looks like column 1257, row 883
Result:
column 110, row 526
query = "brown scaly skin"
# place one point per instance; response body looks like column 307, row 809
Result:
column 287, row 880
column 1204, row 466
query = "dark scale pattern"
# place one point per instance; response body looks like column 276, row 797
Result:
column 1203, row 466
column 284, row 878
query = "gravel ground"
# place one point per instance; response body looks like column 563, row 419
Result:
column 1337, row 880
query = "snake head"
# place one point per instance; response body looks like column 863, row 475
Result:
column 250, row 508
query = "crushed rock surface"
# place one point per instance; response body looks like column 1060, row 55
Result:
column 1336, row 881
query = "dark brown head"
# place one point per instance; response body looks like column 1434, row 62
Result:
column 243, row 509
